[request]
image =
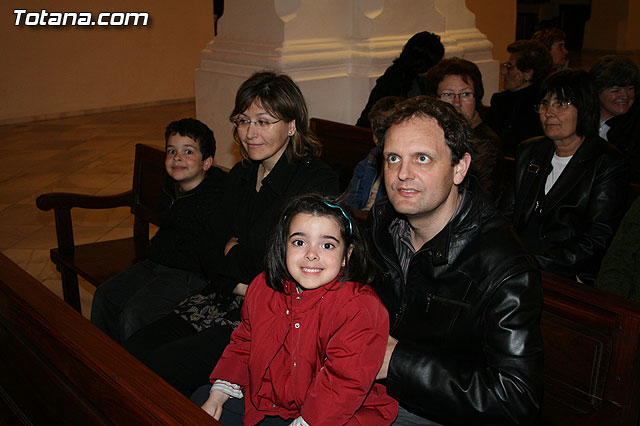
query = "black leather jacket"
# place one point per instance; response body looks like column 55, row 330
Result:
column 466, row 317
column 580, row 213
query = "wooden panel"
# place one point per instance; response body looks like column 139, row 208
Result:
column 56, row 351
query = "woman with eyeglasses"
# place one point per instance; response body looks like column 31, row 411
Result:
column 459, row 82
column 570, row 187
column 617, row 81
column 280, row 161
column 511, row 115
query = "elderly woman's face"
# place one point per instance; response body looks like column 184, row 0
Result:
column 616, row 100
column 513, row 78
column 454, row 90
column 559, row 119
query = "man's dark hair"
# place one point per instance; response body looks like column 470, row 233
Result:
column 457, row 133
column 615, row 70
column 196, row 130
column 532, row 55
column 466, row 70
column 359, row 268
column 575, row 86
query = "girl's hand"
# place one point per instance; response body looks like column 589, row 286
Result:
column 232, row 242
column 214, row 404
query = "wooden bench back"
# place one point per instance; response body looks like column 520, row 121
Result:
column 592, row 355
column 343, row 146
column 56, row 368
column 149, row 176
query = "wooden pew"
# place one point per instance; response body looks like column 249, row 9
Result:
column 343, row 146
column 96, row 262
column 56, row 368
column 592, row 355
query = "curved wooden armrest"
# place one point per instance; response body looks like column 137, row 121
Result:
column 66, row 200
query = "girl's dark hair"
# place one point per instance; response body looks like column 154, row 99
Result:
column 282, row 98
column 575, row 86
column 359, row 267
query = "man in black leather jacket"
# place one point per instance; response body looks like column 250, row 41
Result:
column 463, row 296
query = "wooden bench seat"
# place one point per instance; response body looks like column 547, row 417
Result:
column 56, row 368
column 96, row 262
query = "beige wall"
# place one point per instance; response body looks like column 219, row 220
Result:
column 497, row 20
column 613, row 26
column 55, row 71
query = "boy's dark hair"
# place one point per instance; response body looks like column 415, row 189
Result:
column 532, row 55
column 615, row 70
column 282, row 98
column 196, row 130
column 575, row 86
column 359, row 267
column 466, row 70
column 378, row 112
column 457, row 133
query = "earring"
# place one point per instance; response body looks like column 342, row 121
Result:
column 344, row 263
column 290, row 133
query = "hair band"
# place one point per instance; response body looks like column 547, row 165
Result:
column 335, row 206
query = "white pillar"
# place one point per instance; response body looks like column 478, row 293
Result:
column 333, row 49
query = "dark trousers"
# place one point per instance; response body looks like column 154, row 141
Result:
column 177, row 352
column 139, row 295
column 233, row 410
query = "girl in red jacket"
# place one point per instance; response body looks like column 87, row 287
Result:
column 312, row 337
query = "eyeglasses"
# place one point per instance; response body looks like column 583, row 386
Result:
column 243, row 123
column 555, row 107
column 450, row 96
column 508, row 65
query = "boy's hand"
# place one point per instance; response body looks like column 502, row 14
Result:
column 232, row 242
column 214, row 404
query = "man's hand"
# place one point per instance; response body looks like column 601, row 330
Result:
column 214, row 404
column 384, row 370
column 240, row 289
column 232, row 242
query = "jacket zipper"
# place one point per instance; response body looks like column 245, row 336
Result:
column 431, row 297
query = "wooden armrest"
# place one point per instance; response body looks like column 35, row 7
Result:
column 66, row 200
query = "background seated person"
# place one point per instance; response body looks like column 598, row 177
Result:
column 404, row 77
column 554, row 39
column 570, row 187
column 185, row 250
column 620, row 270
column 366, row 185
column 617, row 81
column 271, row 129
column 511, row 114
column 463, row 296
column 459, row 83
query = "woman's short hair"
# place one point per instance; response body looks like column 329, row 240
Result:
column 282, row 98
column 548, row 36
column 457, row 133
column 575, row 86
column 532, row 55
column 615, row 70
column 359, row 268
column 466, row 70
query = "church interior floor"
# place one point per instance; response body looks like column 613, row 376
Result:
column 91, row 154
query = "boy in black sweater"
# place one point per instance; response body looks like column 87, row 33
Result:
column 184, row 252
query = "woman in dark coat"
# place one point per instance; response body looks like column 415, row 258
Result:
column 570, row 187
column 511, row 113
column 404, row 77
column 280, row 161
